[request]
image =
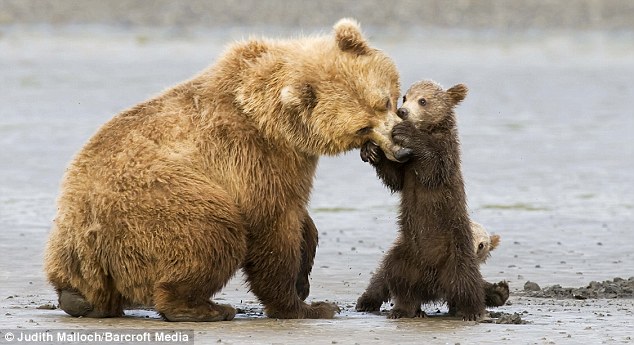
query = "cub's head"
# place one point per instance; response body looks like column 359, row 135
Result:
column 346, row 94
column 483, row 242
column 427, row 104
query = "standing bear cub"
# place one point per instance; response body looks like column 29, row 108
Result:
column 170, row 198
column 434, row 256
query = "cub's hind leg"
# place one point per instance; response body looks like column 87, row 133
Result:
column 375, row 294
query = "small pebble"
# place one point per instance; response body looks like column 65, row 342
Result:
column 531, row 286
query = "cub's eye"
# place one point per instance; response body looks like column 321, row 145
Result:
column 404, row 99
column 422, row 102
column 480, row 246
column 388, row 105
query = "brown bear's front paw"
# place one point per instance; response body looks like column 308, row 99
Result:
column 496, row 294
column 370, row 152
column 368, row 303
column 208, row 312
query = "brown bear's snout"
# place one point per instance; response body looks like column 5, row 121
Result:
column 402, row 113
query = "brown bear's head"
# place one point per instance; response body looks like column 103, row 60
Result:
column 427, row 104
column 343, row 93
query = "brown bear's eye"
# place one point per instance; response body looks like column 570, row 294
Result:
column 422, row 101
column 364, row 131
column 404, row 99
column 480, row 246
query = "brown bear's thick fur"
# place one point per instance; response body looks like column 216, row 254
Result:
column 171, row 197
column 433, row 257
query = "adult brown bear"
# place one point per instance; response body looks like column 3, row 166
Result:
column 171, row 197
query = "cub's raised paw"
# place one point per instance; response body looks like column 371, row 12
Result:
column 403, row 134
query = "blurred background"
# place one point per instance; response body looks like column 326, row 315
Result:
column 400, row 15
column 546, row 129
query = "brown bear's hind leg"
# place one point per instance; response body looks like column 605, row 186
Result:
column 205, row 247
column 214, row 255
column 175, row 303
column 74, row 304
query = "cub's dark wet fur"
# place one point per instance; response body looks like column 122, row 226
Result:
column 433, row 257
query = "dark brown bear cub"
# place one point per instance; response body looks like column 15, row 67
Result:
column 433, row 257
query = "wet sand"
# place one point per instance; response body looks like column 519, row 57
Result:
column 547, row 158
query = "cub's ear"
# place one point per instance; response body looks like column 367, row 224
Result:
column 297, row 98
column 457, row 93
column 495, row 241
column 349, row 37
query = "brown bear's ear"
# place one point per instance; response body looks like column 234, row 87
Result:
column 349, row 37
column 298, row 97
column 457, row 93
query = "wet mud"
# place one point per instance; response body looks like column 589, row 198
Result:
column 615, row 288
